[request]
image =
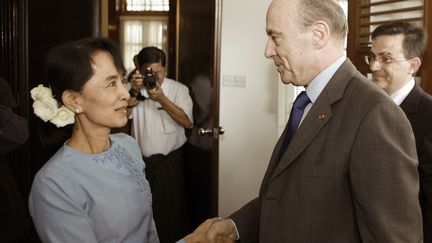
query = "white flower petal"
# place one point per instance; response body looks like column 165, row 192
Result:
column 46, row 109
column 63, row 117
column 40, row 93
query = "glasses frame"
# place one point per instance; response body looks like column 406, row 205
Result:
column 369, row 59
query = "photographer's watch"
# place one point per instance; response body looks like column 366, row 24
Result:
column 133, row 92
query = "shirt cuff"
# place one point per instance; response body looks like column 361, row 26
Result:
column 181, row 241
column 235, row 227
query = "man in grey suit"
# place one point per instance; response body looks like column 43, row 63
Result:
column 349, row 173
column 395, row 57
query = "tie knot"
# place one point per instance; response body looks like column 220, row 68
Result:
column 301, row 101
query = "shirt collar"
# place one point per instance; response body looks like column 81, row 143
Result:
column 317, row 84
column 403, row 92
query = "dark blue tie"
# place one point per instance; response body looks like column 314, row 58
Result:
column 297, row 110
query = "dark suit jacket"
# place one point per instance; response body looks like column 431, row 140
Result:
column 418, row 108
column 13, row 133
column 349, row 174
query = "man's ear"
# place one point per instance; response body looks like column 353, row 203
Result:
column 72, row 100
column 320, row 34
column 415, row 65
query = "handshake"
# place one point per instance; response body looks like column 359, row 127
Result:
column 214, row 230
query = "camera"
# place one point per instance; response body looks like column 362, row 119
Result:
column 149, row 79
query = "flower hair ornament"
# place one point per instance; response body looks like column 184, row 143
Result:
column 47, row 108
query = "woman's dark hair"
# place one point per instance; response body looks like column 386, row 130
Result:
column 68, row 67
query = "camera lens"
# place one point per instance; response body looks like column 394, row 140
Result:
column 149, row 79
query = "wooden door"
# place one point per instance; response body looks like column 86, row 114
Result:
column 198, row 67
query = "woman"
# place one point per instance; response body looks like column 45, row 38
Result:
column 93, row 189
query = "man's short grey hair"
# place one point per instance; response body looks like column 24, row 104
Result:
column 329, row 11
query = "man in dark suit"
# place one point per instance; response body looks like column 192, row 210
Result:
column 395, row 57
column 13, row 134
column 349, row 173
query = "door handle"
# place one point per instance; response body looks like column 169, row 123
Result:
column 215, row 131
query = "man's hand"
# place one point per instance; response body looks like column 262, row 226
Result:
column 137, row 81
column 221, row 231
column 199, row 234
column 172, row 109
column 156, row 94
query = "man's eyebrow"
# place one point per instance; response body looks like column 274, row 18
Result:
column 272, row 32
column 383, row 53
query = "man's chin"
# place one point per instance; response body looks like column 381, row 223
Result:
column 286, row 81
column 284, row 77
column 380, row 83
column 378, row 78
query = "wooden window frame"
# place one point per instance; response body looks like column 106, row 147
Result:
column 117, row 8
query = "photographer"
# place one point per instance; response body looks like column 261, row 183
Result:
column 161, row 108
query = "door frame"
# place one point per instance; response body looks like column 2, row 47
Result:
column 216, row 102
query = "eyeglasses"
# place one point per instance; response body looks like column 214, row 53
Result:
column 369, row 59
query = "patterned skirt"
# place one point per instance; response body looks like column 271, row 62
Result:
column 166, row 177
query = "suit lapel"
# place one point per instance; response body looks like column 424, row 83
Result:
column 273, row 159
column 411, row 102
column 315, row 120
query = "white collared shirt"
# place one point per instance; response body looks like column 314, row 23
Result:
column 153, row 128
column 399, row 96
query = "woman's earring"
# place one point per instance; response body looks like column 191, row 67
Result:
column 77, row 110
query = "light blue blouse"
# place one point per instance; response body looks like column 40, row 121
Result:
column 77, row 197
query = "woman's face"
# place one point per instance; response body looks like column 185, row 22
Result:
column 104, row 97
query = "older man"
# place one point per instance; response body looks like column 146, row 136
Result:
column 349, row 172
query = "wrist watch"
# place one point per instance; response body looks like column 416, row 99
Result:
column 133, row 92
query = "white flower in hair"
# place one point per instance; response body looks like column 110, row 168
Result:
column 46, row 107
column 40, row 92
column 64, row 117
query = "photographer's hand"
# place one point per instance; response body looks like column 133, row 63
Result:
column 172, row 109
column 137, row 81
column 157, row 93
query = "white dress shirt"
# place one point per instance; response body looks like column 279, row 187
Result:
column 403, row 92
column 153, row 128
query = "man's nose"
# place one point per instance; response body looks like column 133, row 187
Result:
column 270, row 51
column 375, row 66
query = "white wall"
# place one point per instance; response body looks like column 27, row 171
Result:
column 248, row 114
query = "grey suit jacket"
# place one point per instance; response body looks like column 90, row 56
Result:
column 348, row 175
column 418, row 108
